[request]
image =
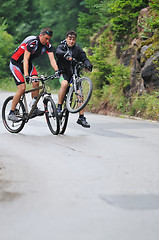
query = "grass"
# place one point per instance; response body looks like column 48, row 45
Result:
column 8, row 85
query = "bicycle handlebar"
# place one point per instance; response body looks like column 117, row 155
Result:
column 79, row 64
column 42, row 78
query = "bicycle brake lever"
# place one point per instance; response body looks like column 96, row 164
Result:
column 42, row 77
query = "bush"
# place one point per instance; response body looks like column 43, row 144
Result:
column 101, row 65
column 145, row 106
column 6, row 49
column 119, row 78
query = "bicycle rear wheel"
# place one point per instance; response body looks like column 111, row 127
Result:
column 51, row 115
column 13, row 127
column 76, row 101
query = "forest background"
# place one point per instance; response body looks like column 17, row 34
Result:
column 100, row 25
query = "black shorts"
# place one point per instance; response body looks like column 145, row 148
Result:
column 65, row 76
column 17, row 71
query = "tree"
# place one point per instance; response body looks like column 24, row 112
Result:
column 14, row 12
column 94, row 16
column 61, row 17
column 124, row 16
column 22, row 17
column 6, row 49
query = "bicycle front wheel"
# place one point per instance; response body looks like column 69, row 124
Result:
column 51, row 115
column 64, row 120
column 76, row 101
column 13, row 127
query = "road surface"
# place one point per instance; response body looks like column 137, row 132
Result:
column 100, row 183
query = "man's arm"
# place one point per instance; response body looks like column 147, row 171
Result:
column 82, row 57
column 52, row 61
column 26, row 63
column 60, row 52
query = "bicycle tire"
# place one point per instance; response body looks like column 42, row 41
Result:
column 73, row 102
column 64, row 120
column 13, row 127
column 51, row 115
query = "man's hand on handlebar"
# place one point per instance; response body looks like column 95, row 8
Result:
column 27, row 79
column 89, row 67
column 57, row 74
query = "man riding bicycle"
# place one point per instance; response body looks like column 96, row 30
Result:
column 65, row 52
column 21, row 64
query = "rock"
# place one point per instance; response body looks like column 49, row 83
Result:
column 126, row 56
column 149, row 72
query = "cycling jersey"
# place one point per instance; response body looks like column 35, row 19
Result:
column 33, row 45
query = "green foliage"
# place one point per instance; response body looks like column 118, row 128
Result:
column 61, row 17
column 90, row 20
column 85, row 27
column 6, row 48
column 30, row 22
column 13, row 11
column 154, row 24
column 119, row 78
column 147, row 25
column 8, row 84
column 154, row 5
column 124, row 16
column 110, row 79
column 145, row 106
column 119, row 81
column 99, row 60
column 22, row 17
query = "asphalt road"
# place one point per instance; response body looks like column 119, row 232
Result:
column 100, row 183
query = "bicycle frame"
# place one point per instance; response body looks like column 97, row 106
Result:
column 23, row 98
column 75, row 78
column 41, row 93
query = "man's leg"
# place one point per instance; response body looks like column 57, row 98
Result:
column 19, row 81
column 34, row 94
column 82, row 120
column 19, row 93
column 62, row 91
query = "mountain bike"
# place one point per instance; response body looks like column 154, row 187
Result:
column 24, row 115
column 77, row 95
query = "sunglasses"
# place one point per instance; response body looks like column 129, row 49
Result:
column 49, row 33
column 71, row 37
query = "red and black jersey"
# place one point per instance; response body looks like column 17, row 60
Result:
column 33, row 45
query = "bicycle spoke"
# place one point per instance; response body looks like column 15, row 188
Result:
column 51, row 115
column 64, row 119
column 76, row 101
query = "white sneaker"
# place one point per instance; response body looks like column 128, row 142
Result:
column 13, row 117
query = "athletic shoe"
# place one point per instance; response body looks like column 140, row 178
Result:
column 83, row 122
column 37, row 112
column 12, row 117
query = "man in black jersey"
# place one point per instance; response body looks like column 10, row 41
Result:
column 65, row 52
column 22, row 68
